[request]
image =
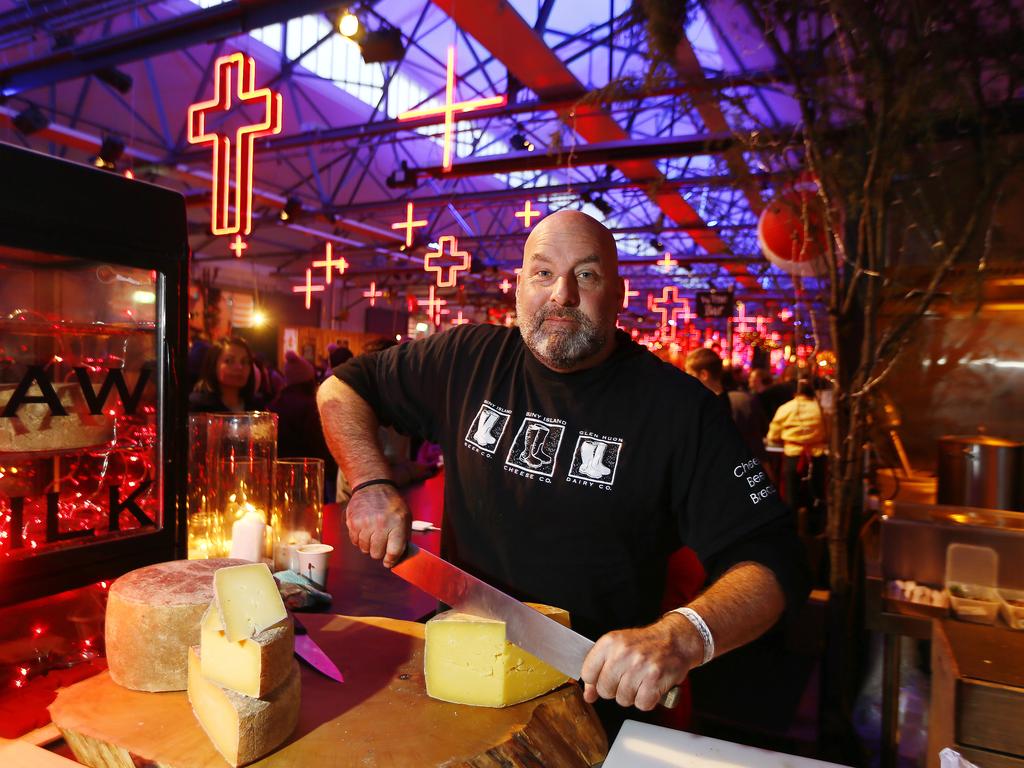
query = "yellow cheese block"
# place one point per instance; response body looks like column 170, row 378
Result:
column 242, row 728
column 153, row 616
column 252, row 666
column 248, row 600
column 468, row 660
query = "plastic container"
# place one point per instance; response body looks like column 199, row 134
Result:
column 971, row 574
column 1011, row 606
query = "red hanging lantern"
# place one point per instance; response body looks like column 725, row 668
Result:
column 791, row 229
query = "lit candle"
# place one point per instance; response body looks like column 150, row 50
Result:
column 247, row 536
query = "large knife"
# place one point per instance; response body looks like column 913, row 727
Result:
column 311, row 653
column 531, row 630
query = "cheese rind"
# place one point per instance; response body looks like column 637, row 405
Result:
column 248, row 600
column 153, row 616
column 242, row 728
column 252, row 666
column 468, row 660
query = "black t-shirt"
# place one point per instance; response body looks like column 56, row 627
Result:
column 573, row 489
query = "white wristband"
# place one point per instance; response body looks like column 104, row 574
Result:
column 702, row 630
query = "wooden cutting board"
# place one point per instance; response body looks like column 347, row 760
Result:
column 380, row 716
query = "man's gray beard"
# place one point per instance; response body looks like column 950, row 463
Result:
column 560, row 348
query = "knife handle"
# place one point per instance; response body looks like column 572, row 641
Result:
column 670, row 699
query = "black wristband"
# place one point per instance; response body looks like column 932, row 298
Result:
column 378, row 481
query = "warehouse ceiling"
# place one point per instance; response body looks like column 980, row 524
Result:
column 661, row 167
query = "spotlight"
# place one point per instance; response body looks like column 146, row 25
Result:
column 115, row 78
column 401, row 177
column 382, row 45
column 292, row 208
column 31, row 120
column 657, row 245
column 110, row 152
column 349, row 24
column 521, row 143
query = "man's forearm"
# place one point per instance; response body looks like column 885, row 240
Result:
column 744, row 603
column 350, row 428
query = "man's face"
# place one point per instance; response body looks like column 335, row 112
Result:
column 569, row 293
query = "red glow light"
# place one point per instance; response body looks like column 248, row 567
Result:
column 38, row 629
column 373, row 294
column 329, row 264
column 527, row 214
column 237, row 246
column 243, row 69
column 505, row 285
column 627, row 294
column 451, row 107
column 309, row 289
column 461, row 265
column 409, row 224
column 667, row 261
column 434, row 306
column 460, row 320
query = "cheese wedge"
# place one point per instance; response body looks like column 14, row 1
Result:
column 153, row 616
column 253, row 666
column 468, row 660
column 242, row 728
column 248, row 600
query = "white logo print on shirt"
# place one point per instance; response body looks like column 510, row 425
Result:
column 535, row 447
column 595, row 459
column 487, row 428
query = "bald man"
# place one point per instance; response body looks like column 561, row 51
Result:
column 576, row 463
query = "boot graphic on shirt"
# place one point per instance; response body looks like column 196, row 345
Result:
column 533, row 454
column 483, row 434
column 592, row 453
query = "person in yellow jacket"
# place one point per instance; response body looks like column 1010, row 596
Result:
column 800, row 426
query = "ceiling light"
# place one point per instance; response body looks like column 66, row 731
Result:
column 382, row 45
column 259, row 318
column 401, row 177
column 110, row 152
column 292, row 208
column 657, row 245
column 31, row 120
column 520, row 143
column 349, row 24
column 115, row 78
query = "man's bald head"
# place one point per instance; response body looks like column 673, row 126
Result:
column 575, row 224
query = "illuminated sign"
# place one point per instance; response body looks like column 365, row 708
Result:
column 309, row 288
column 451, row 107
column 329, row 264
column 459, row 319
column 434, row 306
column 527, row 214
column 505, row 285
column 409, row 224
column 670, row 306
column 238, row 245
column 373, row 294
column 667, row 261
column 627, row 293
column 234, row 81
column 461, row 263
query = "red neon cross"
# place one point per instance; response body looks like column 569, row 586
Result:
column 329, row 264
column 373, row 294
column 309, row 289
column 627, row 294
column 505, row 285
column 668, row 261
column 243, row 69
column 238, row 245
column 742, row 326
column 461, row 265
column 527, row 214
column 450, row 107
column 409, row 224
column 460, row 320
column 434, row 305
column 665, row 305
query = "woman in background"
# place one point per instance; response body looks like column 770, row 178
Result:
column 227, row 382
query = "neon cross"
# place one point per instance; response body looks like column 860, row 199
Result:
column 742, row 318
column 453, row 269
column 505, row 285
column 309, row 289
column 243, row 69
column 238, row 245
column 329, row 264
column 373, row 294
column 526, row 214
column 409, row 224
column 665, row 305
column 450, row 107
column 434, row 305
column 667, row 261
column 460, row 320
column 626, row 295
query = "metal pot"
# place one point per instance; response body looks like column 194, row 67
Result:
column 981, row 471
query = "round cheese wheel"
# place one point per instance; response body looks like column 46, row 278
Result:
column 153, row 616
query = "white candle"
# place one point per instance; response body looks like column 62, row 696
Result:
column 247, row 536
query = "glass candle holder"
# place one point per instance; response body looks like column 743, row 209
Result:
column 197, row 491
column 240, row 509
column 298, row 508
column 248, row 436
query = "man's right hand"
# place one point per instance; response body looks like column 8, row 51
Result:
column 379, row 523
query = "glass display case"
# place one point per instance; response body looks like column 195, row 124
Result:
column 93, row 274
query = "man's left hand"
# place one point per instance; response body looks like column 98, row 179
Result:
column 636, row 667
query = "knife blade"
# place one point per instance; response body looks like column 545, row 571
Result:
column 531, row 630
column 311, row 653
